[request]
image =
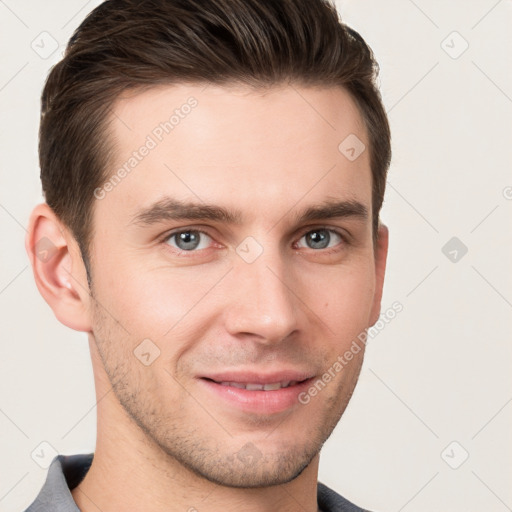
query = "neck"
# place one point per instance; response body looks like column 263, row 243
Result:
column 130, row 472
column 130, row 476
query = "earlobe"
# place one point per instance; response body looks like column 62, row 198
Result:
column 381, row 253
column 58, row 268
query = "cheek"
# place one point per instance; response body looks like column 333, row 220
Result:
column 151, row 302
column 343, row 298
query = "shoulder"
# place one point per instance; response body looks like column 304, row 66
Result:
column 65, row 473
column 331, row 501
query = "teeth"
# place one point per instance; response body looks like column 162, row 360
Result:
column 273, row 386
column 254, row 387
column 237, row 385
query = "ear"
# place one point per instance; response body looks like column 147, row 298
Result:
column 58, row 268
column 381, row 253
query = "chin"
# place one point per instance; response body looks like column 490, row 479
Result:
column 264, row 473
column 248, row 467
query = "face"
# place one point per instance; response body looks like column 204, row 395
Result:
column 232, row 264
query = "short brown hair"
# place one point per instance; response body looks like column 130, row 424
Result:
column 132, row 44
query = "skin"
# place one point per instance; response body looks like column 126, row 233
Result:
column 161, row 432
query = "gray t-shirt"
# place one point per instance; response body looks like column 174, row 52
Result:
column 67, row 471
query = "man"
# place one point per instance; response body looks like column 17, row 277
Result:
column 213, row 173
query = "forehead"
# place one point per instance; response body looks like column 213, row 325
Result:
column 259, row 150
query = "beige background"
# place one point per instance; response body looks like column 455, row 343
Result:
column 436, row 385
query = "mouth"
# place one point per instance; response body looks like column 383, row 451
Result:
column 254, row 386
column 256, row 393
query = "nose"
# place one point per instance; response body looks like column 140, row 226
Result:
column 262, row 304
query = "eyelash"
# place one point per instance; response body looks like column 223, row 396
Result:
column 192, row 253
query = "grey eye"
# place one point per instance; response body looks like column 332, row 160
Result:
column 321, row 239
column 189, row 240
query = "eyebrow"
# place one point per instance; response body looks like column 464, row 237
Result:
column 333, row 209
column 170, row 208
column 174, row 209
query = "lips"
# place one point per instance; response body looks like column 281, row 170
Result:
column 272, row 386
column 254, row 392
column 285, row 377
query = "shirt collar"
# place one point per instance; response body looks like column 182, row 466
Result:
column 64, row 474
